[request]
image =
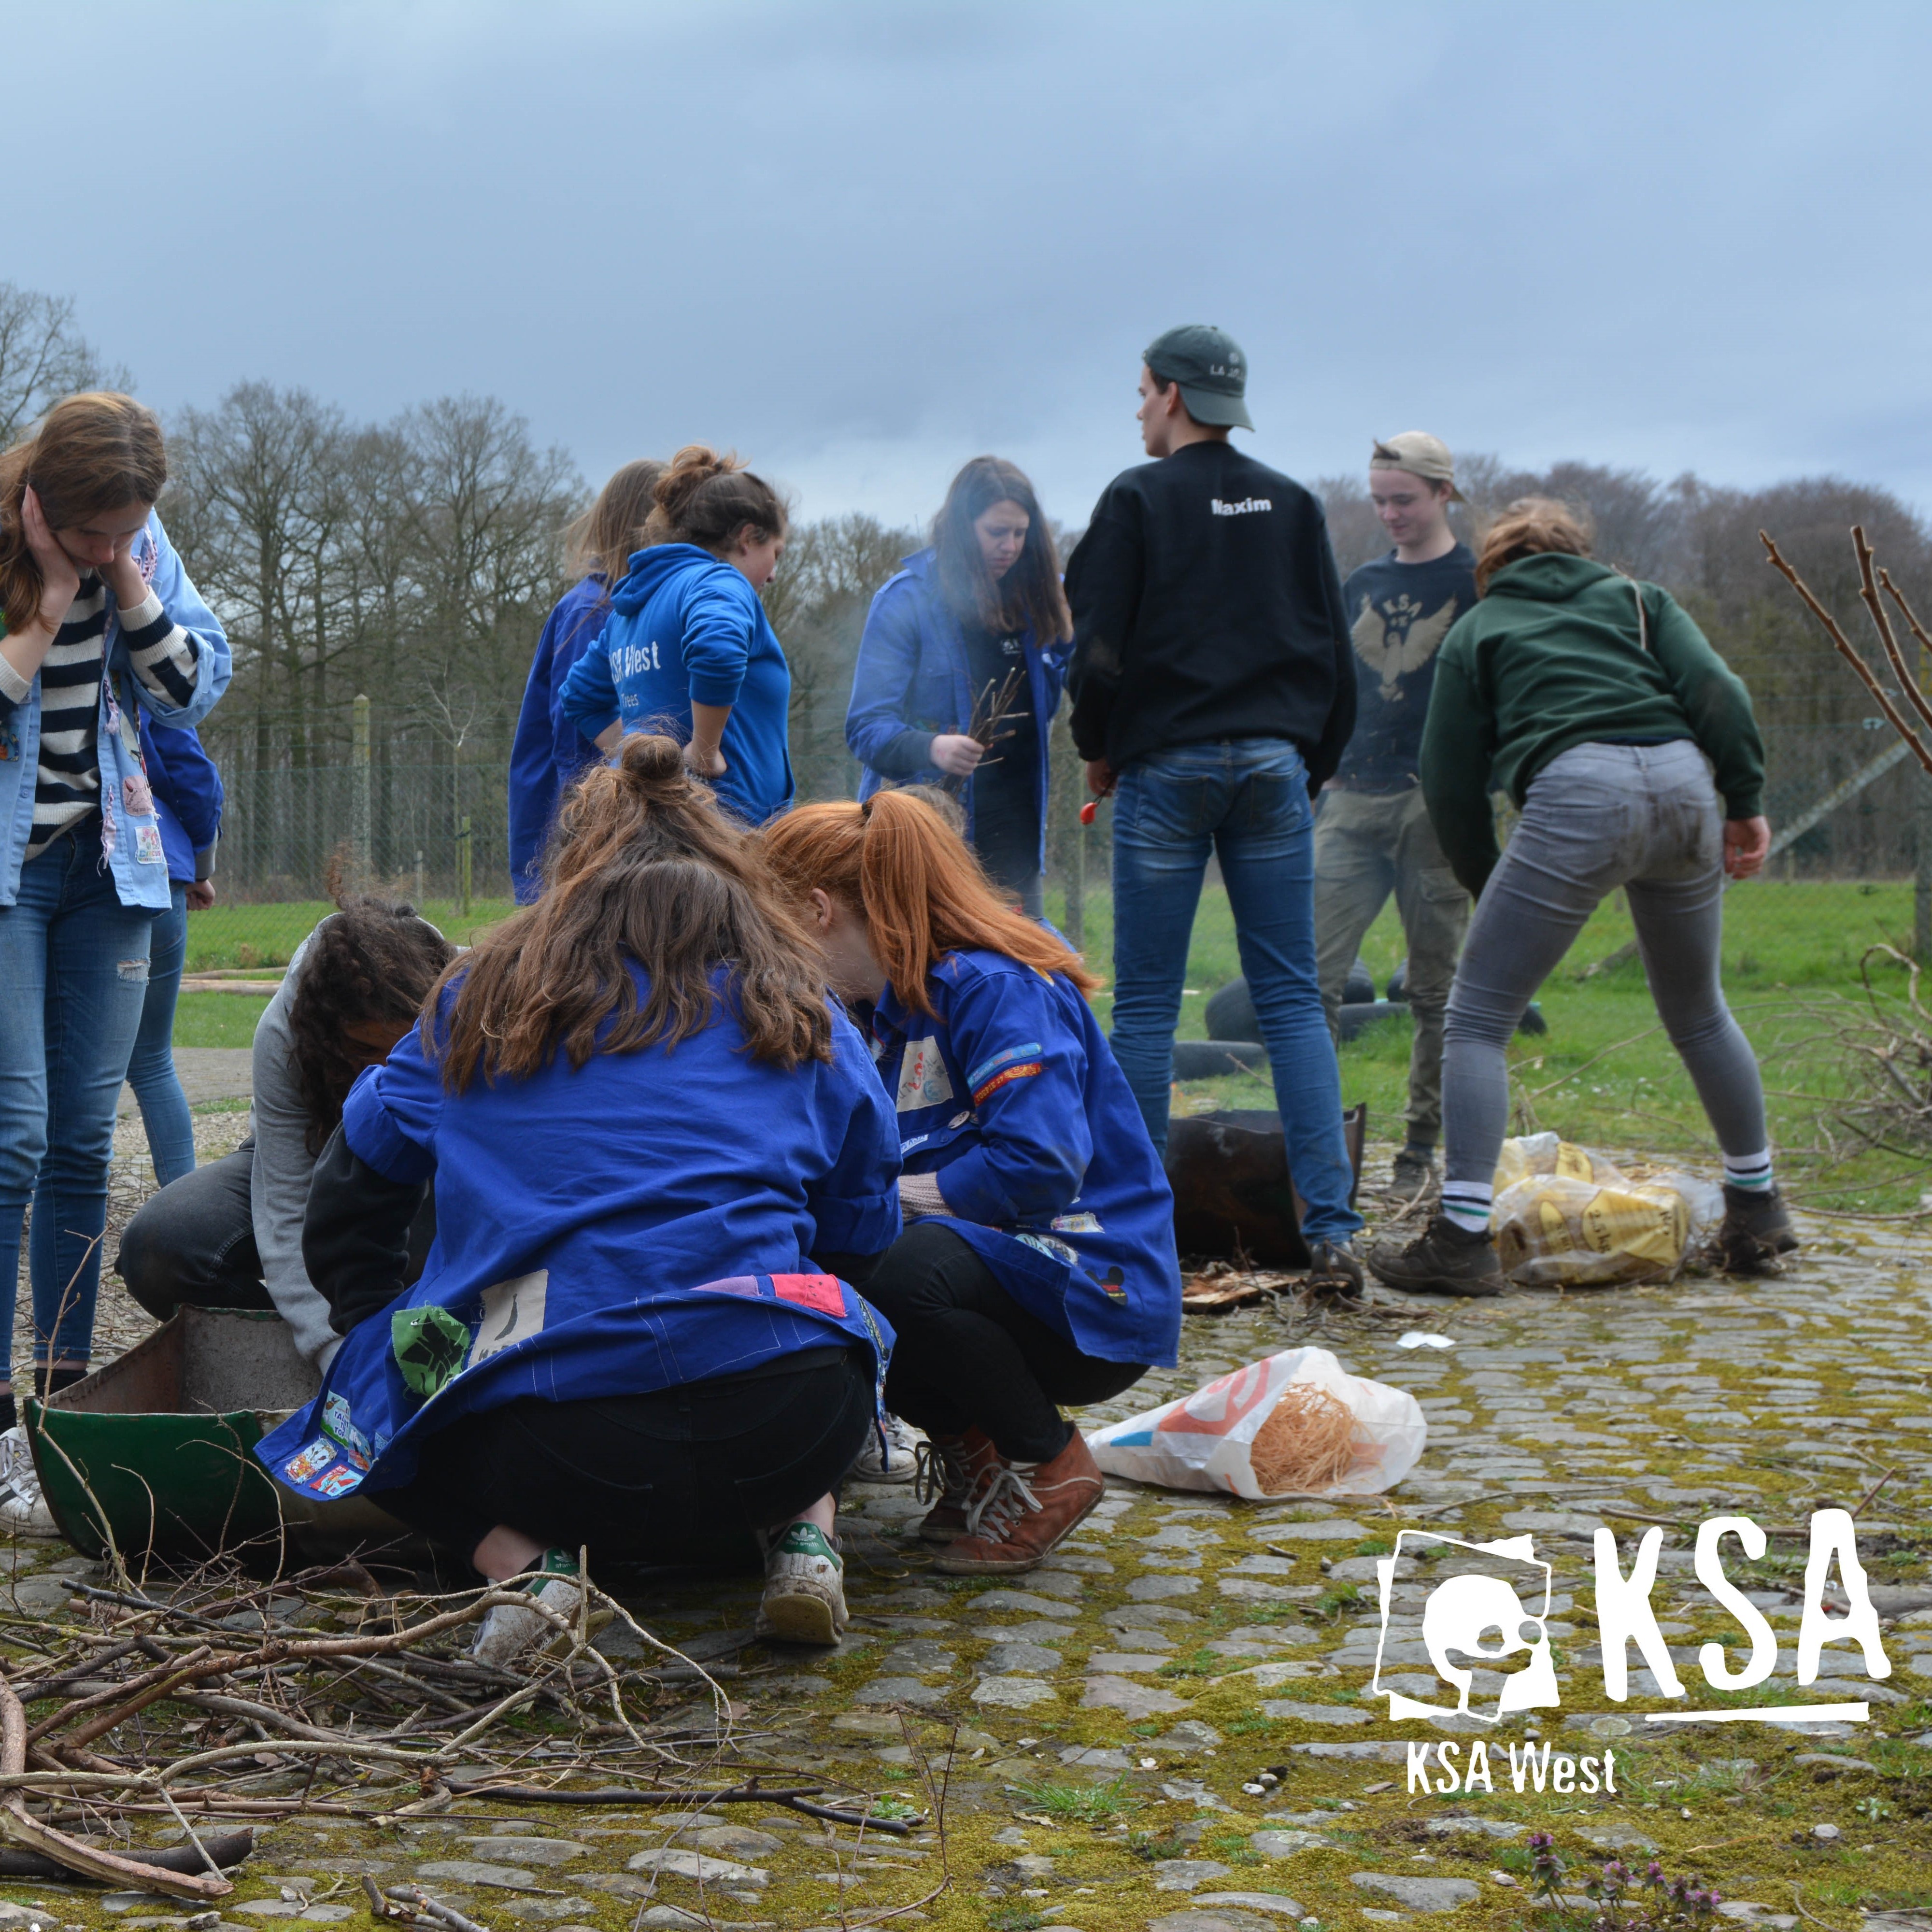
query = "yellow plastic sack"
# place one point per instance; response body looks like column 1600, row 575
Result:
column 1565, row 1217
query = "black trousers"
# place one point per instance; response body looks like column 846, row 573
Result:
column 685, row 1475
column 968, row 1354
column 193, row 1241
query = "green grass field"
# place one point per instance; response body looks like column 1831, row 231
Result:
column 1604, row 1073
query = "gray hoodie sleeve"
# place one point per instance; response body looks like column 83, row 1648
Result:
column 278, row 1186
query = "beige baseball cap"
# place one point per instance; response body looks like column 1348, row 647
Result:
column 1419, row 453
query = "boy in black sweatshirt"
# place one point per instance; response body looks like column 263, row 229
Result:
column 1214, row 693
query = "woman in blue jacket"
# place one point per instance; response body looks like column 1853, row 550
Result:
column 941, row 639
column 101, row 626
column 549, row 754
column 188, row 797
column 688, row 648
column 1042, row 1267
column 632, row 1337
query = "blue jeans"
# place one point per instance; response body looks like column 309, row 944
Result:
column 74, row 976
column 151, row 1072
column 1245, row 799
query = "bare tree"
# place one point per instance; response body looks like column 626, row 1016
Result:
column 43, row 357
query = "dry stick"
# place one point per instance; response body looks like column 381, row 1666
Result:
column 1849, row 652
column 1868, row 592
column 1857, row 1507
column 430, row 1908
column 16, row 1824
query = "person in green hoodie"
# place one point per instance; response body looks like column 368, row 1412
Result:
column 1630, row 749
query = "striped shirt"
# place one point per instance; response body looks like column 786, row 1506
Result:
column 166, row 659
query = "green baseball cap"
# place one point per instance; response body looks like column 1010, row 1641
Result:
column 1213, row 372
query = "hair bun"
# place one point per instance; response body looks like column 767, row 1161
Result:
column 652, row 764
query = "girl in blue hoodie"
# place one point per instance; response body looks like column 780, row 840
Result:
column 688, row 649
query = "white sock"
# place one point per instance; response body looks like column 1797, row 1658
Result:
column 1467, row 1204
column 1750, row 1171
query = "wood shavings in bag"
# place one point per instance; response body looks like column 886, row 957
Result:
column 1310, row 1440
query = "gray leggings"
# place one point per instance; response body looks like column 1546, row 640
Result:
column 1643, row 816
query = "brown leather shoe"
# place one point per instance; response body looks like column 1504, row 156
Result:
column 1024, row 1510
column 950, row 1468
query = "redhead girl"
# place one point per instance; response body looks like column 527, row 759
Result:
column 1040, row 1267
column 100, row 625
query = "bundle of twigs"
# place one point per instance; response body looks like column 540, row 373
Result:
column 994, row 719
column 152, row 1704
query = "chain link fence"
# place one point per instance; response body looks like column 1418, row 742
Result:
column 283, row 826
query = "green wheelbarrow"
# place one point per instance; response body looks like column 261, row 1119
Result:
column 155, row 1451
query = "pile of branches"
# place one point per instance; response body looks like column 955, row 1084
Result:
column 204, row 1704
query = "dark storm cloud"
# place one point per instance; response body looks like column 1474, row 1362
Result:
column 862, row 242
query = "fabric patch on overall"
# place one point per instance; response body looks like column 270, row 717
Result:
column 429, row 1345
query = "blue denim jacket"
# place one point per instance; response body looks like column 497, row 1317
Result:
column 139, row 880
column 912, row 675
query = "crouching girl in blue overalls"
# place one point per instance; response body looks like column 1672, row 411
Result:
column 1042, row 1267
column 656, row 1145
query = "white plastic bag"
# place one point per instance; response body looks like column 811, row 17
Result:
column 1205, row 1441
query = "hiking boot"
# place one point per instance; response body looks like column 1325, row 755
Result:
column 805, row 1589
column 1413, row 1175
column 508, row 1631
column 889, row 1455
column 1334, row 1272
column 1755, row 1231
column 1443, row 1259
column 1022, row 1511
column 950, row 1467
column 23, row 1510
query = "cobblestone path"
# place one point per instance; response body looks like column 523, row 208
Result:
column 1170, row 1725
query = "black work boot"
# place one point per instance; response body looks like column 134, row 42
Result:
column 1414, row 1174
column 1443, row 1259
column 1755, row 1230
column 1334, row 1272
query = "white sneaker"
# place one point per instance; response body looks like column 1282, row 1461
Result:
column 23, row 1509
column 805, row 1589
column 893, row 1460
column 508, row 1631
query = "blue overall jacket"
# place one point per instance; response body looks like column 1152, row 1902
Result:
column 686, row 627
column 635, row 1224
column 130, row 837
column 188, row 798
column 912, row 675
column 1011, row 1099
column 548, row 752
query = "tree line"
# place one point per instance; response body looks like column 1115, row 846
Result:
column 414, row 560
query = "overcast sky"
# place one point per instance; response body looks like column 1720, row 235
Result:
column 862, row 242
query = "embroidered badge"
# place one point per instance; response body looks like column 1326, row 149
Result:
column 1076, row 1224
column 1024, row 1072
column 317, row 1455
column 337, row 1481
column 336, row 1422
column 1053, row 1250
column 1031, row 1051
column 429, row 1345
column 1114, row 1286
column 148, row 848
column 923, row 1079
column 136, row 796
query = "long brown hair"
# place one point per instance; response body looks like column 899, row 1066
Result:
column 374, row 960
column 600, row 542
column 1029, row 595
column 642, row 869
column 705, row 498
column 96, row 451
column 896, row 863
column 1531, row 526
